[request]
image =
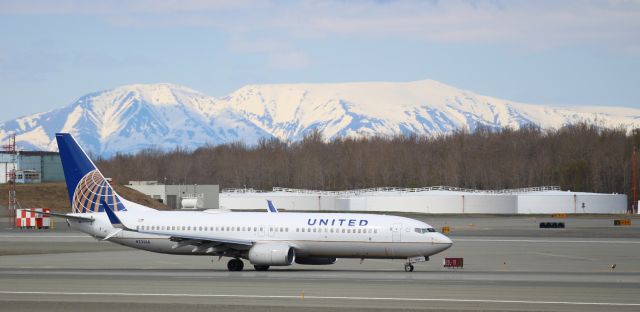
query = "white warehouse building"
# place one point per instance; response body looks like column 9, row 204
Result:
column 437, row 200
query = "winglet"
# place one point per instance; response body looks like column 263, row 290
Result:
column 115, row 221
column 271, row 207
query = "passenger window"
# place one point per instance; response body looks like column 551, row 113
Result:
column 342, row 230
column 375, row 231
column 286, row 229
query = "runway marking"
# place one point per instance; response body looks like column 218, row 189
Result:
column 313, row 297
column 562, row 256
column 543, row 241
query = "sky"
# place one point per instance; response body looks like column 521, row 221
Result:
column 542, row 52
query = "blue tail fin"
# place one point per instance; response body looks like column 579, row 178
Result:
column 86, row 186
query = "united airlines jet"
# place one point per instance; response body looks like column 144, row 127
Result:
column 264, row 239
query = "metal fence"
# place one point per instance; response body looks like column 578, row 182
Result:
column 401, row 190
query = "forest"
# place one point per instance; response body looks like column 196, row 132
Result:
column 579, row 157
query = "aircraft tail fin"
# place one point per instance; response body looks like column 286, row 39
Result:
column 86, row 185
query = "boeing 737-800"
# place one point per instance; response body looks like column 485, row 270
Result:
column 263, row 238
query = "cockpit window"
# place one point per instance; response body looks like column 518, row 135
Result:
column 424, row 230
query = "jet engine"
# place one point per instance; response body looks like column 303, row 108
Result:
column 272, row 254
column 316, row 260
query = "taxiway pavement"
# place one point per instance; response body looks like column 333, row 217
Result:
column 510, row 265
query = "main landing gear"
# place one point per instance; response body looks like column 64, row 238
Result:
column 408, row 267
column 235, row 264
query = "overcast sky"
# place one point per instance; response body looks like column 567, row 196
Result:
column 543, row 52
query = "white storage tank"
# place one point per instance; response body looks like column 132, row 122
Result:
column 191, row 203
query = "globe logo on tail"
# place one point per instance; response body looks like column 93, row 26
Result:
column 89, row 192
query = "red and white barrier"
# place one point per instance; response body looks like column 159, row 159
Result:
column 31, row 219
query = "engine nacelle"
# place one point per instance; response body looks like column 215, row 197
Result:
column 316, row 260
column 272, row 254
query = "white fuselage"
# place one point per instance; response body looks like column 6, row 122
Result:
column 336, row 235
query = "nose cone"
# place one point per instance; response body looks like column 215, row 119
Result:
column 441, row 239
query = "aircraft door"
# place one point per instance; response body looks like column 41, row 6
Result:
column 396, row 231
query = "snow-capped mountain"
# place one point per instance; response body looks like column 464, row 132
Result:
column 130, row 118
column 134, row 117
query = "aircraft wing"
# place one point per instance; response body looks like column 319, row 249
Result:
column 62, row 215
column 199, row 240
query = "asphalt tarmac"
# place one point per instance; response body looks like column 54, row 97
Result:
column 510, row 265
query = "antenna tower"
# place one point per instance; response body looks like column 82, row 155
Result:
column 10, row 173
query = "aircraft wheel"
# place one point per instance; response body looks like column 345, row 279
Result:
column 235, row 265
column 261, row 267
column 408, row 267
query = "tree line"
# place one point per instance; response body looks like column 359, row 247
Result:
column 579, row 157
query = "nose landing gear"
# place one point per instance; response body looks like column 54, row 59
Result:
column 408, row 266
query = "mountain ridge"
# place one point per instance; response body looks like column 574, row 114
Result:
column 164, row 115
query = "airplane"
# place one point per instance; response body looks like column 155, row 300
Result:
column 265, row 239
